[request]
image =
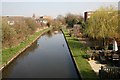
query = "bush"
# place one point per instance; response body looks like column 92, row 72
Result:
column 86, row 56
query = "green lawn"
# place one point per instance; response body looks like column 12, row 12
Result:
column 78, row 49
column 7, row 54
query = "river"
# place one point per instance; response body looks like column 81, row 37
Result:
column 48, row 57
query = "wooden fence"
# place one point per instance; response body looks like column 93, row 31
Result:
column 109, row 73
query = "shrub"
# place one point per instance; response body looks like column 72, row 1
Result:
column 86, row 56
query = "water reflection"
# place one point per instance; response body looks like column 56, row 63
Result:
column 49, row 33
column 48, row 57
column 7, row 71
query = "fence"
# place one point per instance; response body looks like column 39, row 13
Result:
column 109, row 73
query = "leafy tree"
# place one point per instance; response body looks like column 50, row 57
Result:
column 103, row 24
column 48, row 24
column 61, row 19
column 31, row 25
column 14, row 34
column 56, row 23
column 22, row 30
column 72, row 19
column 9, row 35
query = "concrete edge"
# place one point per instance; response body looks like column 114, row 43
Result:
column 74, row 61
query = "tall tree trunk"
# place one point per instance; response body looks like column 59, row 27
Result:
column 95, row 43
column 106, row 44
column 103, row 43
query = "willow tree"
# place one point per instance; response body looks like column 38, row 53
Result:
column 103, row 24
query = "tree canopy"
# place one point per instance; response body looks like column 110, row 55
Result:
column 14, row 34
column 103, row 23
column 72, row 19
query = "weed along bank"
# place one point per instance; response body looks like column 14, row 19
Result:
column 16, row 51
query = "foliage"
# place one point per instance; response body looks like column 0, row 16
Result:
column 56, row 24
column 31, row 25
column 103, row 23
column 86, row 56
column 72, row 19
column 14, row 34
column 61, row 19
column 7, row 54
column 8, row 32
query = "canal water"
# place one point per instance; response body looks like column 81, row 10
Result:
column 48, row 57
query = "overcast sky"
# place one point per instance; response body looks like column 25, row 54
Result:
column 50, row 7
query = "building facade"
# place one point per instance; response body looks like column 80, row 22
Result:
column 87, row 15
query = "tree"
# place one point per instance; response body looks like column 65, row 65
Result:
column 72, row 19
column 13, row 35
column 48, row 24
column 103, row 24
column 31, row 25
column 22, row 30
column 9, row 35
column 61, row 19
column 56, row 24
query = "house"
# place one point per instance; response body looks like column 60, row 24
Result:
column 11, row 20
column 43, row 20
column 87, row 15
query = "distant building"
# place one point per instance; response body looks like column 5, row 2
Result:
column 11, row 20
column 42, row 19
column 47, row 17
column 87, row 15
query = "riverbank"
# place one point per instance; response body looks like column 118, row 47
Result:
column 8, row 55
column 78, row 50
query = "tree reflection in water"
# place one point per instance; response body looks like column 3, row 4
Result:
column 49, row 33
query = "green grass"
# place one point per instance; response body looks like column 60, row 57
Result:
column 78, row 50
column 7, row 54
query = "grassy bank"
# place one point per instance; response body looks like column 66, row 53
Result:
column 78, row 50
column 8, row 54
